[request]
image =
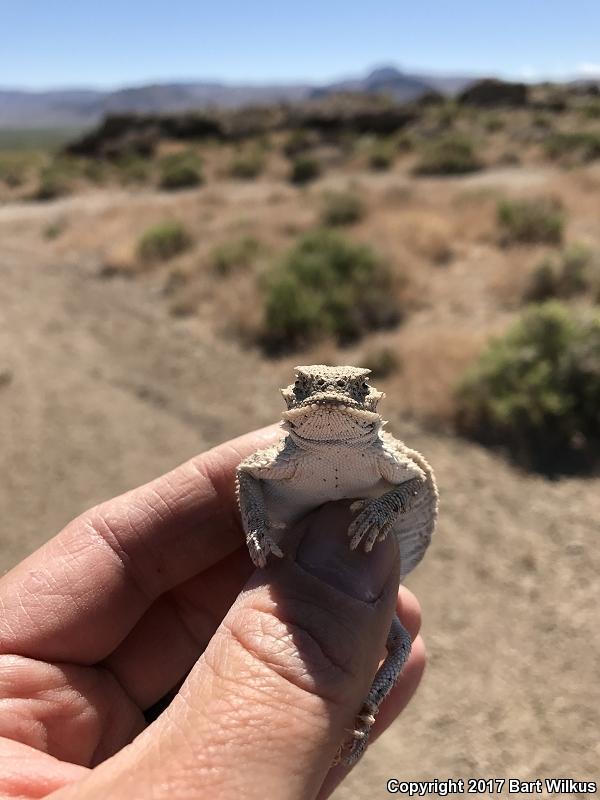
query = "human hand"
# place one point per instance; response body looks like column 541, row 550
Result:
column 114, row 612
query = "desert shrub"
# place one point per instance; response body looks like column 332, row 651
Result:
column 446, row 114
column 405, row 142
column 248, row 165
column 341, row 208
column 133, row 168
column 11, row 176
column 54, row 229
column 509, row 158
column 541, row 120
column 574, row 146
column 54, row 181
column 180, row 171
column 382, row 155
column 449, row 155
column 493, row 122
column 93, row 170
column 542, row 283
column 326, row 286
column 13, row 168
column 382, row 361
column 536, row 391
column 573, row 271
column 235, row 254
column 590, row 109
column 529, row 221
column 183, row 307
column 298, row 141
column 163, row 241
column 304, row 169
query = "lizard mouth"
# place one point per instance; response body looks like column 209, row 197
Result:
column 330, row 404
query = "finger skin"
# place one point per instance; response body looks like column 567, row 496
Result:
column 77, row 715
column 265, row 709
column 27, row 773
column 173, row 633
column 77, row 597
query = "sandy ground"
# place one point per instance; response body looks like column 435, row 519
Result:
column 103, row 389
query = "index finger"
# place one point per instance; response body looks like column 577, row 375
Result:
column 79, row 595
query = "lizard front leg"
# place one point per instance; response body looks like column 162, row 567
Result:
column 275, row 463
column 378, row 516
column 255, row 520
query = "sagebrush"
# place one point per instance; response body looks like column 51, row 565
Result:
column 180, row 171
column 342, row 208
column 531, row 221
column 163, row 241
column 452, row 154
column 535, row 392
column 326, row 286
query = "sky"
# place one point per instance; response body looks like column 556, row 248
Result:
column 110, row 43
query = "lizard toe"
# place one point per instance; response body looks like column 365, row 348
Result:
column 273, row 548
column 372, row 537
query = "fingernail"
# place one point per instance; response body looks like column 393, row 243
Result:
column 325, row 552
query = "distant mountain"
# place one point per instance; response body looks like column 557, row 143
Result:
column 172, row 97
column 68, row 108
column 84, row 108
column 81, row 108
column 402, row 86
column 385, row 80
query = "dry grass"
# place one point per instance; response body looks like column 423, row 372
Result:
column 432, row 360
column 428, row 235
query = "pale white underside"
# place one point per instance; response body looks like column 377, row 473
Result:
column 333, row 471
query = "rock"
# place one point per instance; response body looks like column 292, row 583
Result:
column 493, row 92
column 121, row 135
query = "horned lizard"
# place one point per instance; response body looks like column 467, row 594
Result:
column 336, row 448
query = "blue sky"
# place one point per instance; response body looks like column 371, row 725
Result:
column 106, row 43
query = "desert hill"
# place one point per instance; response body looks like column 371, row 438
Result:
column 83, row 108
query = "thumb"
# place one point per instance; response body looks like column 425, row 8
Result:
column 276, row 692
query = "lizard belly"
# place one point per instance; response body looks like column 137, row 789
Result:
column 319, row 479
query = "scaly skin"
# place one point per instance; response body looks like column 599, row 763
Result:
column 335, row 448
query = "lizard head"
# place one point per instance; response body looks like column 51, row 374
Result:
column 328, row 403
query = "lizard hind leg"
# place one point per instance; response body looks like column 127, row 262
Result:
column 398, row 645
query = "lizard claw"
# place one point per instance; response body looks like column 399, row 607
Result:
column 352, row 750
column 259, row 547
column 275, row 549
column 369, row 526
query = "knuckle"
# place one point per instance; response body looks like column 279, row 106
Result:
column 120, row 541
